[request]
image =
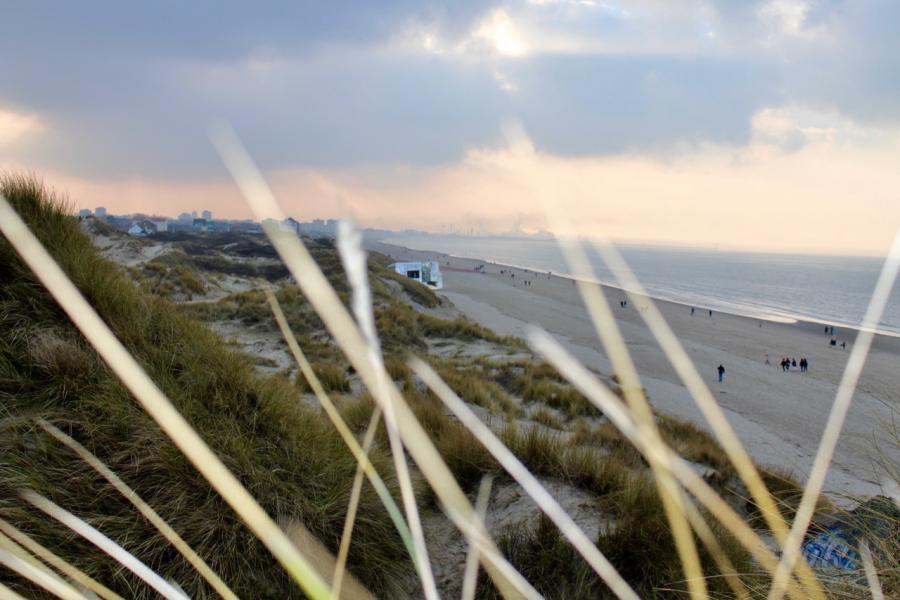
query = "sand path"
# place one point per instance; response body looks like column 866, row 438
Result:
column 779, row 416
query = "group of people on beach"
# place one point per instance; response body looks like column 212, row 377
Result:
column 788, row 363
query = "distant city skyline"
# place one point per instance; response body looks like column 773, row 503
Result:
column 759, row 125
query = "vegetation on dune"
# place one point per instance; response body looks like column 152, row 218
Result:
column 638, row 543
column 641, row 546
column 168, row 281
column 286, row 454
column 787, row 493
column 332, row 377
column 475, row 390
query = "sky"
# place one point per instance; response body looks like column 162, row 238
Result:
column 767, row 125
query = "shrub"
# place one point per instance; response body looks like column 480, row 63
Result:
column 476, row 390
column 547, row 453
column 547, row 560
column 463, row 329
column 641, row 547
column 397, row 368
column 333, row 378
column 398, row 328
column 467, row 459
column 546, row 418
column 787, row 493
column 565, row 398
column 693, row 443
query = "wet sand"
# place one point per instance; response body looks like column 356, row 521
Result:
column 778, row 415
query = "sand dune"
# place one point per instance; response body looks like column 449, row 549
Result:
column 779, row 416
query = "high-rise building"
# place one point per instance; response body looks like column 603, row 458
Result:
column 84, row 212
column 207, row 214
column 100, row 212
column 185, row 218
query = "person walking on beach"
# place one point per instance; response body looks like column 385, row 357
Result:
column 721, row 371
column 692, row 311
column 710, row 313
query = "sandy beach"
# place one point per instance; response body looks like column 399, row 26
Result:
column 778, row 415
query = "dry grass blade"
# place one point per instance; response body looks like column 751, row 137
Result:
column 345, row 332
column 96, row 537
column 871, row 573
column 13, row 547
column 470, row 575
column 711, row 410
column 355, row 493
column 8, row 594
column 58, row 563
column 616, row 412
column 354, row 261
column 608, row 331
column 335, row 416
column 145, row 509
column 40, row 577
column 156, row 403
column 718, row 554
column 835, row 424
column 529, row 482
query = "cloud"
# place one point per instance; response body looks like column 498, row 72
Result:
column 128, row 90
column 15, row 126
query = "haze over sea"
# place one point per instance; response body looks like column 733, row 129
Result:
column 833, row 290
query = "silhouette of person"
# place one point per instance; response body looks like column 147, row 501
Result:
column 721, row 370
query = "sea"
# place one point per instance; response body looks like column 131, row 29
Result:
column 828, row 289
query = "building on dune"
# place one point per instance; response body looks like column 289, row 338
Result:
column 142, row 228
column 427, row 272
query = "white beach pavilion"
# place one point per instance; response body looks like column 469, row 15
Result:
column 427, row 272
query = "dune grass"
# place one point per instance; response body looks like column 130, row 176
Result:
column 257, row 426
column 332, row 376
